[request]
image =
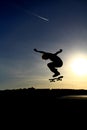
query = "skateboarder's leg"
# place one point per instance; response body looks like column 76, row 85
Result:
column 52, row 68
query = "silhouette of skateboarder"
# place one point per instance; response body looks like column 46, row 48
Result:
column 56, row 61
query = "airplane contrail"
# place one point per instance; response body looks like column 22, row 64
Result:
column 38, row 16
column 34, row 14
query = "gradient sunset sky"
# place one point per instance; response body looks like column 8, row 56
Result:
column 22, row 30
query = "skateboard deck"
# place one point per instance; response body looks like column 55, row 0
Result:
column 56, row 79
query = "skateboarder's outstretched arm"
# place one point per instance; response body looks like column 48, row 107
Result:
column 47, row 52
column 58, row 52
column 39, row 51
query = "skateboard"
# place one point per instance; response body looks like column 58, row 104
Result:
column 56, row 79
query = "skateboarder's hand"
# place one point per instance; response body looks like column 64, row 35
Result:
column 61, row 50
column 35, row 50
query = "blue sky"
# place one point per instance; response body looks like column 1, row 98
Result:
column 21, row 32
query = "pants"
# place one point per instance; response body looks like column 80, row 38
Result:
column 53, row 65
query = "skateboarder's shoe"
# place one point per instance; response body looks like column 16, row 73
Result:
column 56, row 74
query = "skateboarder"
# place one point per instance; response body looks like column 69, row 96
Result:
column 56, row 61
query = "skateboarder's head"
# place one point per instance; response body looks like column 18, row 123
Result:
column 45, row 56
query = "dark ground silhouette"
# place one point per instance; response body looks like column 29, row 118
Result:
column 57, row 98
column 43, row 105
column 32, row 92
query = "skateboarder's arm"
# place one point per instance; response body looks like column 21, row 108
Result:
column 39, row 51
column 58, row 52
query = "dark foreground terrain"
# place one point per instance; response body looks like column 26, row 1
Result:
column 43, row 105
column 55, row 99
